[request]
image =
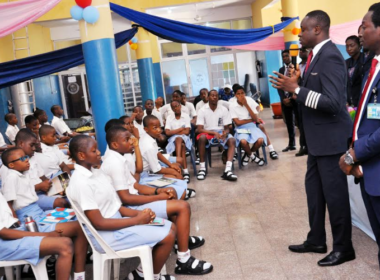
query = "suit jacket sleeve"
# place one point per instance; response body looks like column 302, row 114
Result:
column 368, row 146
column 281, row 93
column 333, row 82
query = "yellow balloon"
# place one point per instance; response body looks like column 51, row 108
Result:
column 134, row 46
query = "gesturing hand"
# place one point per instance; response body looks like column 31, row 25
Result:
column 283, row 82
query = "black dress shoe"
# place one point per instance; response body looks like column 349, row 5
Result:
column 289, row 148
column 301, row 152
column 308, row 248
column 336, row 258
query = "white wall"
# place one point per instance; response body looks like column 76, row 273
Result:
column 246, row 65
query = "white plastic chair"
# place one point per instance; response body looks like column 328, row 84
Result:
column 39, row 270
column 102, row 262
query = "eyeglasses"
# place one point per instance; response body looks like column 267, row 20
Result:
column 24, row 158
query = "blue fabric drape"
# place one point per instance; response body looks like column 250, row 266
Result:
column 190, row 33
column 20, row 70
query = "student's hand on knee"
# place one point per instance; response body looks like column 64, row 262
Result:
column 144, row 217
column 176, row 167
column 170, row 192
column 55, row 233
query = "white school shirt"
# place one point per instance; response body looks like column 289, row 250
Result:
column 50, row 159
column 140, row 128
column 199, row 106
column 6, row 216
column 131, row 161
column 167, row 109
column 35, row 171
column 60, row 126
column 157, row 114
column 93, row 190
column 116, row 167
column 190, row 107
column 11, row 133
column 2, row 142
column 213, row 120
column 240, row 112
column 172, row 123
column 149, row 151
column 17, row 187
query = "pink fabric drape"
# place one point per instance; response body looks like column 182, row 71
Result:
column 338, row 34
column 16, row 15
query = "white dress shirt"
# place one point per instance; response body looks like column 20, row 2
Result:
column 241, row 112
column 93, row 190
column 140, row 128
column 18, row 188
column 6, row 216
column 318, row 47
column 50, row 159
column 60, row 126
column 173, row 123
column 11, row 133
column 2, row 142
column 156, row 114
column 149, row 151
column 213, row 120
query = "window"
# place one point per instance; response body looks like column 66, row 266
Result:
column 175, row 77
column 195, row 49
column 171, row 49
column 223, row 70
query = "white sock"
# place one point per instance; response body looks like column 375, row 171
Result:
column 270, row 147
column 228, row 166
column 203, row 165
column 183, row 256
column 79, row 276
column 186, row 171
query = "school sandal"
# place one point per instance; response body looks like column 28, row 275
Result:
column 229, row 176
column 245, row 160
column 135, row 276
column 201, row 174
column 197, row 161
column 273, row 155
column 194, row 243
column 192, row 267
column 186, row 177
column 190, row 193
column 259, row 161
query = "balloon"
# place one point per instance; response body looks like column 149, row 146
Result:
column 130, row 42
column 296, row 31
column 134, row 40
column 134, row 46
column 83, row 3
column 91, row 14
column 76, row 12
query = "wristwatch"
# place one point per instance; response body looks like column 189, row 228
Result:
column 297, row 90
column 156, row 191
column 348, row 159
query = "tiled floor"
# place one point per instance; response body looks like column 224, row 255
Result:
column 249, row 224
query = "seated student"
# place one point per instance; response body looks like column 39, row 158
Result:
column 190, row 107
column 203, row 94
column 95, row 195
column 213, row 124
column 128, row 124
column 52, row 159
column 138, row 197
column 166, row 110
column 59, row 124
column 260, row 123
column 41, row 116
column 12, row 127
column 35, row 245
column 20, row 194
column 178, row 129
column 226, row 93
column 137, row 120
column 244, row 115
column 28, row 142
column 151, row 156
column 3, row 145
column 31, row 122
column 150, row 110
column 158, row 103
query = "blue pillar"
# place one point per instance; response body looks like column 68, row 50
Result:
column 147, row 79
column 158, row 79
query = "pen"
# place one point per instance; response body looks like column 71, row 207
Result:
column 51, row 177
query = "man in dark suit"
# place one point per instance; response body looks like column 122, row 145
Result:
column 288, row 105
column 326, row 123
column 363, row 158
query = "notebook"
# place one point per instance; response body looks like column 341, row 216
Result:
column 163, row 182
column 243, row 131
column 60, row 181
column 59, row 215
column 157, row 222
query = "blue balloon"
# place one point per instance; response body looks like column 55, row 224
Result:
column 76, row 12
column 134, row 40
column 91, row 14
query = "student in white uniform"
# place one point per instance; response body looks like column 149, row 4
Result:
column 31, row 122
column 190, row 107
column 20, row 194
column 35, row 245
column 138, row 197
column 128, row 124
column 3, row 145
column 59, row 124
column 245, row 116
column 178, row 129
column 166, row 110
column 137, row 117
column 12, row 127
column 52, row 159
column 27, row 141
column 204, row 96
column 41, row 116
column 213, row 125
column 150, row 110
column 122, row 228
